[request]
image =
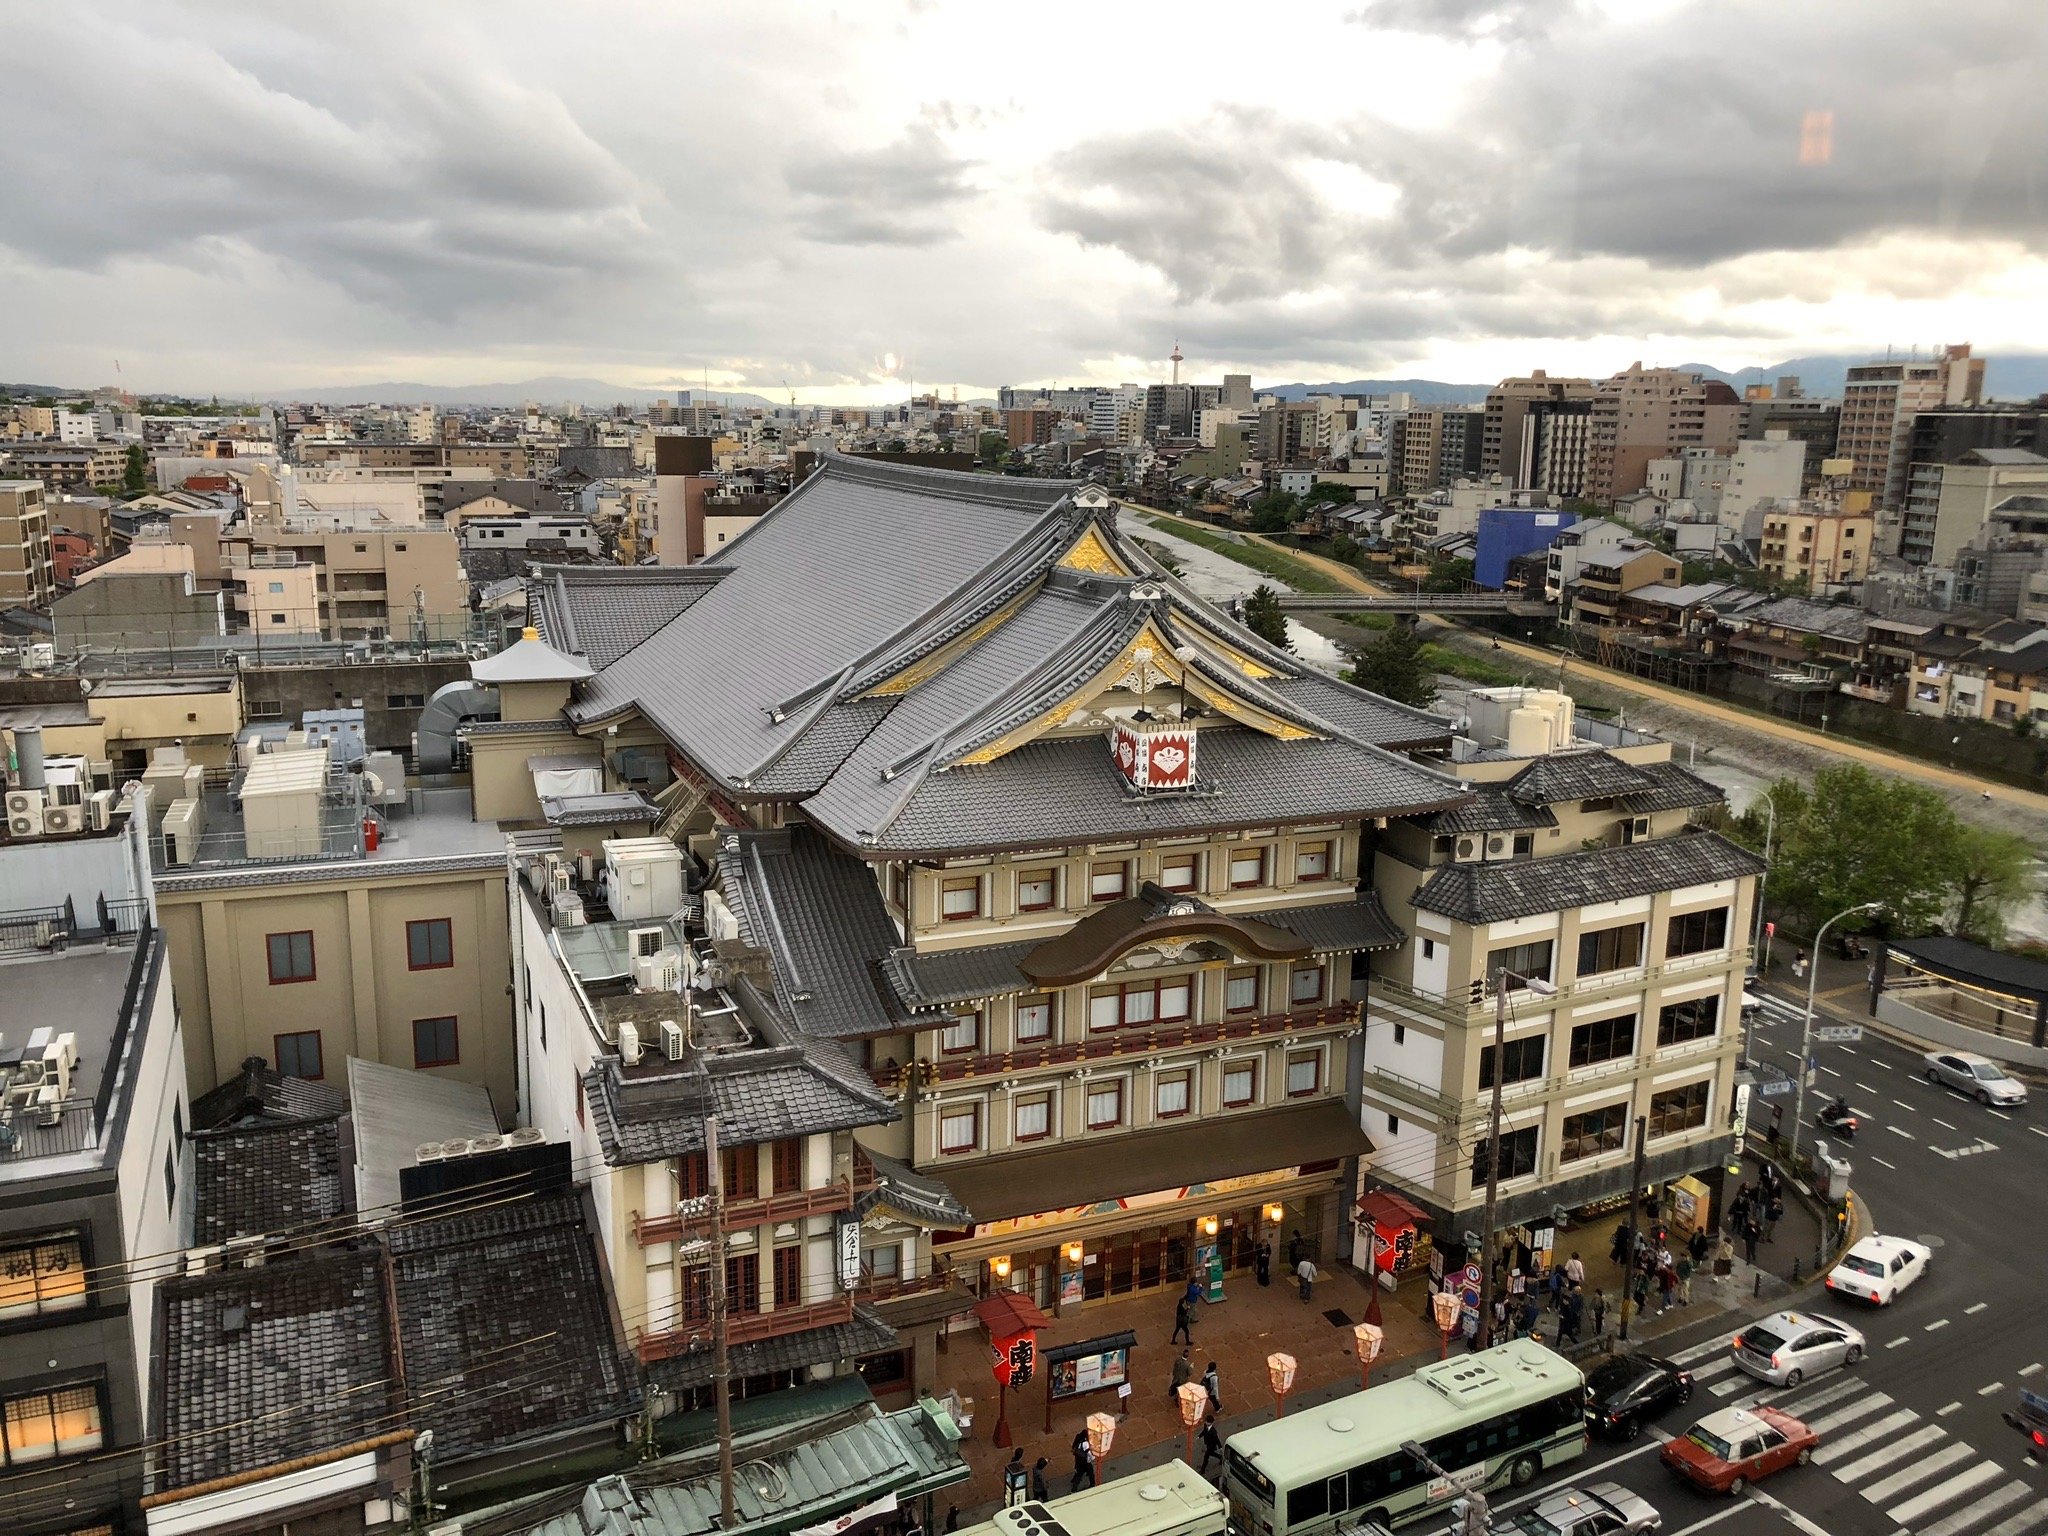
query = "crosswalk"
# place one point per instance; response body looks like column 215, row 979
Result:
column 1926, row 1481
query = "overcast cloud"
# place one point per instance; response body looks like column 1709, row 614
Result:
column 237, row 198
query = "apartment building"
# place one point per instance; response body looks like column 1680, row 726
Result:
column 1556, row 437
column 1642, row 414
column 1510, row 435
column 1437, row 446
column 1949, row 504
column 67, row 466
column 1816, row 546
column 1081, row 896
column 28, row 572
column 1994, row 569
column 94, row 1176
column 1571, row 890
column 1814, row 424
column 1879, row 402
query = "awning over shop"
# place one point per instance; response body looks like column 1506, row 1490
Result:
column 1384, row 1208
column 1227, row 1147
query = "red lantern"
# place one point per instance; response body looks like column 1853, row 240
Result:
column 1013, row 1357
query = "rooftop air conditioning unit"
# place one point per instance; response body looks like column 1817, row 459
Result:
column 63, row 820
column 629, row 1044
column 527, row 1136
column 563, row 880
column 569, row 912
column 99, row 811
column 1468, row 850
column 26, row 802
column 647, row 942
column 21, row 827
column 661, row 971
column 488, row 1144
column 586, row 867
column 673, row 1040
column 428, row 1152
column 1496, row 844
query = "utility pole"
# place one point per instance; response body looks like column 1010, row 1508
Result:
column 1484, row 1335
column 721, row 1365
column 1635, row 1191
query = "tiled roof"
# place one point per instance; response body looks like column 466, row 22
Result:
column 1841, row 621
column 265, row 1178
column 261, row 1366
column 867, row 1334
column 506, row 1325
column 602, row 612
column 1557, row 777
column 1491, row 893
column 260, row 1095
column 819, row 915
column 1340, row 927
column 1491, row 810
column 919, row 1196
column 1674, row 788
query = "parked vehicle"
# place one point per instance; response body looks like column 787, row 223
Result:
column 1727, row 1451
column 1878, row 1268
column 1787, row 1347
column 1978, row 1076
column 1600, row 1509
column 1624, row 1391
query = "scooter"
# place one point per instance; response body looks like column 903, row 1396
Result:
column 1840, row 1119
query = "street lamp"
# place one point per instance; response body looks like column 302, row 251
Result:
column 1192, row 1398
column 1366, row 1340
column 1280, row 1370
column 1101, row 1436
column 1447, row 1304
column 1806, row 1024
column 1756, row 943
column 1542, row 988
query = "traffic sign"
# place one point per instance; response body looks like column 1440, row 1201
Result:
column 1776, row 1087
column 1838, row 1034
column 1472, row 1274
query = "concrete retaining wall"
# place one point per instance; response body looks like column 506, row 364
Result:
column 1894, row 1009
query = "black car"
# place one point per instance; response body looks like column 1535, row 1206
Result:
column 1624, row 1390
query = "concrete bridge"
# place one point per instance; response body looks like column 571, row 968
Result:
column 1451, row 604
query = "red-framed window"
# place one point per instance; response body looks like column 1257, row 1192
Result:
column 429, row 944
column 1105, row 1105
column 1305, row 985
column 1036, row 889
column 1034, row 1117
column 1240, row 1083
column 962, row 1034
column 1173, row 1095
column 1241, row 991
column 297, row 1054
column 290, row 956
column 434, row 1042
column 1108, row 882
column 960, row 898
column 960, row 1128
column 1304, row 1074
column 787, row 1165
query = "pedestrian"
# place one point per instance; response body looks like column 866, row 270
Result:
column 1531, row 1311
column 1183, row 1373
column 1575, row 1270
column 1553, row 1285
column 1500, row 1314
column 1751, row 1231
column 1084, row 1463
column 1183, row 1322
column 1306, row 1274
column 1685, row 1268
column 1642, row 1292
column 1773, row 1214
column 1212, row 1384
column 952, row 1519
column 1667, row 1286
column 1698, row 1246
column 1570, row 1316
column 1799, row 966
column 1599, row 1313
column 1212, row 1445
column 1039, row 1491
column 1016, row 1480
column 1617, row 1251
column 1294, row 1246
column 1262, row 1261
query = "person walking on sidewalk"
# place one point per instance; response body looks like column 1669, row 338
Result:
column 1262, row 1261
column 1698, row 1246
column 1183, row 1322
column 1752, row 1229
column 1212, row 1384
column 1599, row 1314
column 1212, row 1445
column 1773, row 1214
column 1038, row 1488
column 1306, row 1274
column 1685, row 1267
column 1183, row 1373
column 1084, row 1464
column 1574, row 1271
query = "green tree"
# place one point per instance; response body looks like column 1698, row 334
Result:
column 135, row 472
column 1333, row 491
column 1262, row 616
column 1273, row 512
column 994, row 448
column 1392, row 666
column 1993, row 873
column 1448, row 576
column 1853, row 836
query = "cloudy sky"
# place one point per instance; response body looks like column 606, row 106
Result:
column 240, row 197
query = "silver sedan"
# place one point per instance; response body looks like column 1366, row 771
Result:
column 1599, row 1509
column 1979, row 1076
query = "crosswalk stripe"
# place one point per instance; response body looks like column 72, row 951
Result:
column 1919, row 1472
column 1878, row 1429
column 1701, row 1351
column 1991, row 1504
column 2028, row 1370
column 1862, row 1407
column 2025, row 1520
column 1863, row 1466
column 1805, row 1404
column 1963, row 1483
column 1732, row 1384
column 1713, row 1368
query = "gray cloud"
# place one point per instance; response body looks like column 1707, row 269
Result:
column 1467, row 20
column 905, row 193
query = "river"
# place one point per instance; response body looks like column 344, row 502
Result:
column 1218, row 578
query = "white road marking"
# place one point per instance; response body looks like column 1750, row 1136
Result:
column 1876, row 1430
column 1713, row 1368
column 2037, row 1130
column 1974, row 1308
column 1962, row 1483
column 2004, row 1498
column 1939, row 1322
column 1885, row 1455
column 1867, row 1088
column 1787, row 1513
column 1996, row 1386
column 1856, row 1410
column 1882, row 1163
column 1700, row 1525
column 1806, row 1404
column 1904, row 1338
column 1941, row 1122
column 1900, row 1131
column 1732, row 1384
column 1945, row 1411
column 2028, row 1370
column 1998, row 1112
column 1701, row 1351
column 1919, row 1472
column 2025, row 1520
column 1884, row 1064
column 1831, row 1072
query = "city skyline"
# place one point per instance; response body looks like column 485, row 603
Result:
column 1459, row 191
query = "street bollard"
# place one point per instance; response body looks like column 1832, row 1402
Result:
column 1758, row 1289
column 1795, row 1271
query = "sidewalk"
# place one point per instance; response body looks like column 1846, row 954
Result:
column 1237, row 1333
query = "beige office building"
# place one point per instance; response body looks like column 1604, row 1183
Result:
column 1879, row 402
column 27, row 568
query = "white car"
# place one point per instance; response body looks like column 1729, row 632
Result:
column 1878, row 1268
column 1979, row 1076
column 1787, row 1347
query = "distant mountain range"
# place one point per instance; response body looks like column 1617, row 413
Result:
column 544, row 391
column 2007, row 376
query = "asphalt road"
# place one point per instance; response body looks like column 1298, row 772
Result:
column 1912, row 1438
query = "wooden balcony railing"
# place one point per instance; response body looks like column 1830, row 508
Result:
column 755, row 1211
column 743, row 1328
column 1109, row 1044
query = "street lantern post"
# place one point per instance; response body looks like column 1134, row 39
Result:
column 1806, row 1025
column 1542, row 988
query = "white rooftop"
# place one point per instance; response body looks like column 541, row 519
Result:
column 530, row 659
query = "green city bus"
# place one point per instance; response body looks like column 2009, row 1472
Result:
column 1173, row 1500
column 1491, row 1419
